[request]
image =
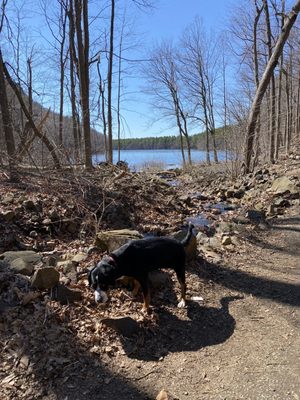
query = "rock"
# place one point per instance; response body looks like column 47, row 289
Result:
column 225, row 227
column 8, row 198
column 78, row 258
column 21, row 266
column 202, row 238
column 240, row 219
column 93, row 249
column 214, row 243
column 29, row 205
column 112, row 240
column 65, row 295
column 284, row 185
column 238, row 194
column 281, row 202
column 8, row 215
column 53, row 214
column 45, row 278
column 226, row 240
column 33, row 234
column 252, row 194
column 199, row 196
column 28, row 256
column 67, row 266
column 126, row 326
column 230, row 193
column 255, row 216
column 186, row 200
column 35, row 218
column 51, row 261
column 271, row 210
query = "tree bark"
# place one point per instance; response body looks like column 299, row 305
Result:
column 81, row 12
column 109, row 84
column 6, row 117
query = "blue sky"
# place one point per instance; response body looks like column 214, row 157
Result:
column 167, row 21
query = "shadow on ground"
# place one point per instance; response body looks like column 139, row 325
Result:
column 241, row 281
column 204, row 326
column 289, row 245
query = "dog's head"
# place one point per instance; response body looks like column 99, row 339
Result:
column 101, row 277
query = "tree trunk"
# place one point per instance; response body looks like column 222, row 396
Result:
column 109, row 84
column 41, row 136
column 81, row 12
column 255, row 108
column 62, row 62
column 72, row 82
column 272, row 125
column 6, row 118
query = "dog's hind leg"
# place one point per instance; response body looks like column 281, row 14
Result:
column 136, row 288
column 181, row 279
column 146, row 294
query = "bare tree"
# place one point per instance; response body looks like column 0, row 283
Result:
column 82, row 33
column 264, row 82
column 164, row 86
column 73, row 63
column 199, row 61
column 109, row 84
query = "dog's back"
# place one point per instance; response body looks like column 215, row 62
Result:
column 152, row 253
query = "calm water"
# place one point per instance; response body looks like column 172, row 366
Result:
column 138, row 159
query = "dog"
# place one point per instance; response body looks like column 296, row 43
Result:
column 136, row 259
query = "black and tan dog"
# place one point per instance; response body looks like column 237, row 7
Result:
column 136, row 259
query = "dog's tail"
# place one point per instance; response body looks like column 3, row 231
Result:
column 189, row 234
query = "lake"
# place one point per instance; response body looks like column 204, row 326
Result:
column 166, row 159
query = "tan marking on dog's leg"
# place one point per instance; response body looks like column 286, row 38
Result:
column 146, row 303
column 182, row 303
column 136, row 288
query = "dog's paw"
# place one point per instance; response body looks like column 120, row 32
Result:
column 181, row 304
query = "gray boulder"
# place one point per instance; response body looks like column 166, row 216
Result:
column 28, row 256
column 112, row 240
column 21, row 266
column 45, row 278
column 284, row 185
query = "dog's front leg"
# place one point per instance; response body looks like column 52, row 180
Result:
column 146, row 294
column 181, row 280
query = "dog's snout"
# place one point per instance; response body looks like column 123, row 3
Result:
column 100, row 296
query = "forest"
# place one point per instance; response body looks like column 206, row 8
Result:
column 197, row 141
column 64, row 96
